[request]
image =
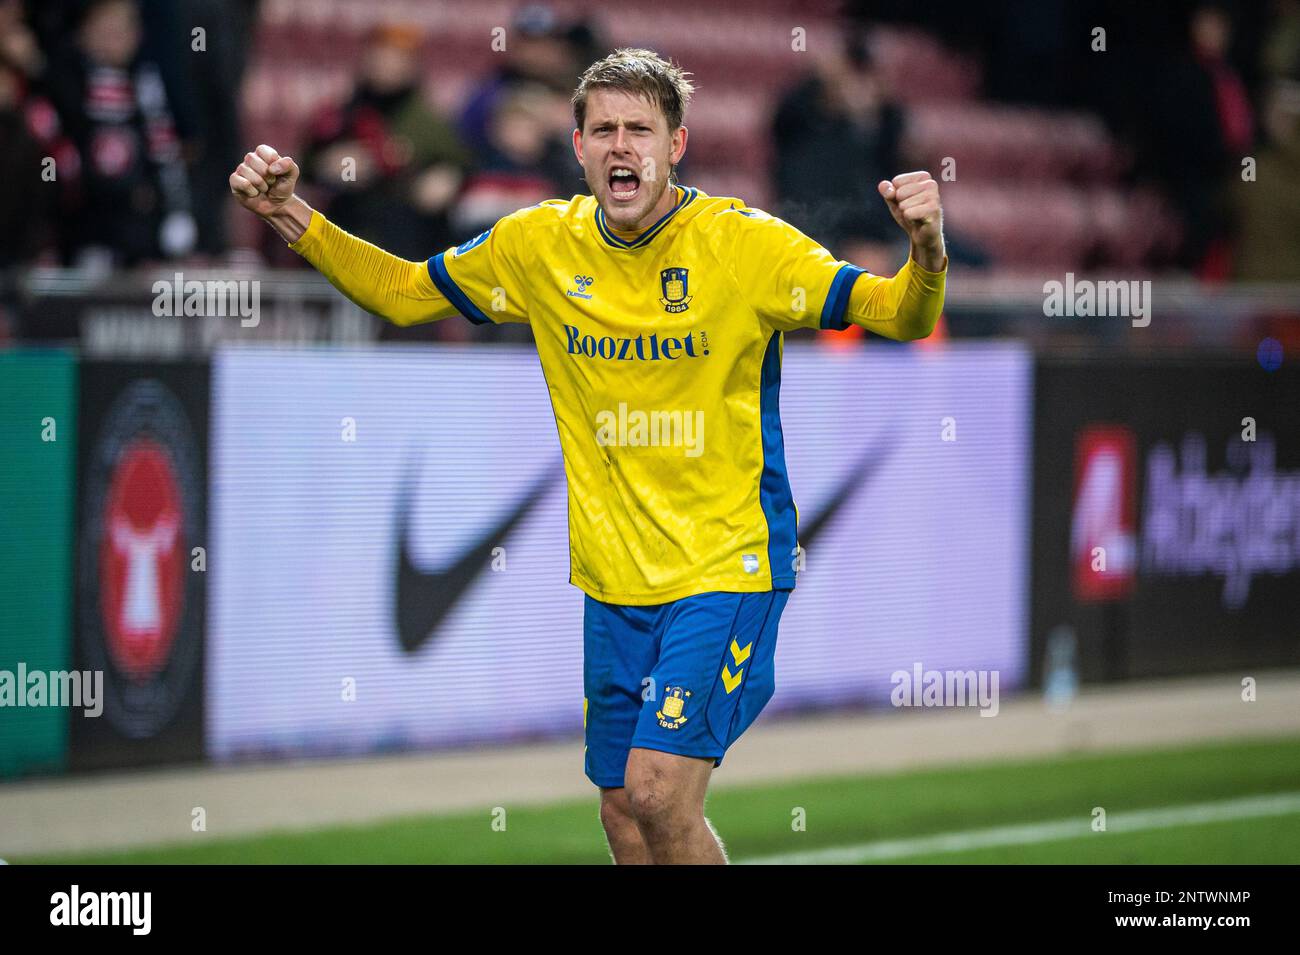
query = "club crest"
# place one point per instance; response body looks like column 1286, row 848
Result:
column 676, row 290
column 670, row 715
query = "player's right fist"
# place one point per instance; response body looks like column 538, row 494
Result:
column 264, row 181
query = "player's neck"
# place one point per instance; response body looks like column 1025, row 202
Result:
column 657, row 212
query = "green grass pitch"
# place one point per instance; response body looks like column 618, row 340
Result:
column 846, row 811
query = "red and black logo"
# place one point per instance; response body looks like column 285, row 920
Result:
column 141, row 618
column 1103, row 532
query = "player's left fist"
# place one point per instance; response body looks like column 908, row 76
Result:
column 913, row 201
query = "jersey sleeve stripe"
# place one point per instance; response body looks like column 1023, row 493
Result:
column 837, row 299
column 448, row 287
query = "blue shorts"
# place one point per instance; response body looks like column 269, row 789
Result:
column 686, row 677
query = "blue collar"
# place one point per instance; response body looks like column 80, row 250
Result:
column 688, row 196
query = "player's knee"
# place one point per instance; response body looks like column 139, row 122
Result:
column 651, row 808
column 616, row 811
column 658, row 810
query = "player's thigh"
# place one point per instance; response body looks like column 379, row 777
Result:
column 619, row 651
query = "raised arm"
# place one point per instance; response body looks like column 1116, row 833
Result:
column 385, row 284
column 907, row 306
column 913, row 201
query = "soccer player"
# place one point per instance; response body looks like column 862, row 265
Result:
column 658, row 314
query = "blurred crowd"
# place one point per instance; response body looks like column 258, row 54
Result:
column 134, row 140
column 101, row 102
column 122, row 135
column 1191, row 88
column 388, row 165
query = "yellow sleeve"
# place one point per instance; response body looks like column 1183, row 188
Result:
column 396, row 289
column 904, row 308
column 793, row 282
column 484, row 277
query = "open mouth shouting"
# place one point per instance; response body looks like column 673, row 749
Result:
column 624, row 183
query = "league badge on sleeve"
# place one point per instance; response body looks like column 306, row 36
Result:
column 472, row 243
column 674, row 284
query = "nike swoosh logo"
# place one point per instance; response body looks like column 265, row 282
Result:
column 857, row 477
column 423, row 599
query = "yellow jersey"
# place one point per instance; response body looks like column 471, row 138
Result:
column 662, row 357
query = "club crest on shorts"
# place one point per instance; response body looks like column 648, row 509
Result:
column 674, row 284
column 670, row 716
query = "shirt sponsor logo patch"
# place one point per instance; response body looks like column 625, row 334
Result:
column 641, row 348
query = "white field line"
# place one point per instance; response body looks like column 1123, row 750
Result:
column 1280, row 804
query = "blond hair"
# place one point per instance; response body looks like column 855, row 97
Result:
column 643, row 73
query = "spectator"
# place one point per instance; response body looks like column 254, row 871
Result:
column 29, row 132
column 1211, row 37
column 836, row 135
column 1200, row 127
column 540, row 52
column 521, row 164
column 1280, row 56
column 20, row 162
column 389, row 164
column 19, row 48
column 213, row 79
column 131, row 199
column 1268, row 249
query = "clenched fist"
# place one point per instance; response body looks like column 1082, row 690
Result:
column 263, row 183
column 913, row 201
